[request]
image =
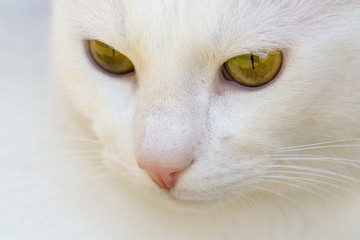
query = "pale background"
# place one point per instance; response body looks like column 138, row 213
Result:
column 24, row 62
column 24, row 26
column 24, row 90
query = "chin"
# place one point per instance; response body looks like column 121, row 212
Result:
column 173, row 202
column 182, row 199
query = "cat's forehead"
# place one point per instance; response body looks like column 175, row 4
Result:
column 232, row 24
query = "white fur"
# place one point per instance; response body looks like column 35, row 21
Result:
column 177, row 105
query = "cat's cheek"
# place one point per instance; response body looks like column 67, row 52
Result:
column 125, row 168
column 119, row 158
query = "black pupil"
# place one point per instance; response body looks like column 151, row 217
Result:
column 252, row 61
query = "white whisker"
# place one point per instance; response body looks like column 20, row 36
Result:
column 86, row 157
column 319, row 181
column 317, row 170
column 81, row 151
column 80, row 139
column 281, row 195
column 318, row 147
column 328, row 184
column 303, row 181
column 95, row 177
column 91, row 187
column 296, row 186
column 320, row 143
column 248, row 198
column 317, row 158
column 84, row 173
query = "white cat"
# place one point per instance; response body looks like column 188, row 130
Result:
column 173, row 149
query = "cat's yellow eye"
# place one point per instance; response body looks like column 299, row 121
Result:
column 253, row 71
column 109, row 59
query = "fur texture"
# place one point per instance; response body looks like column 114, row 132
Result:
column 275, row 162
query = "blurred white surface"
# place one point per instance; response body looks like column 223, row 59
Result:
column 24, row 63
column 24, row 34
column 24, row 93
column 24, row 28
column 24, row 69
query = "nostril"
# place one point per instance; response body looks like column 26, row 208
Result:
column 170, row 180
column 173, row 175
column 163, row 174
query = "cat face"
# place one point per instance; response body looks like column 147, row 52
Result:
column 178, row 108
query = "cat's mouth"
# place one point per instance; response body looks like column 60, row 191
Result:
column 186, row 198
column 174, row 201
column 193, row 189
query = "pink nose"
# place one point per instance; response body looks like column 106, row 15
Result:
column 164, row 174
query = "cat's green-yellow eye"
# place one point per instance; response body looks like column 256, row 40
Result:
column 253, row 71
column 109, row 59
